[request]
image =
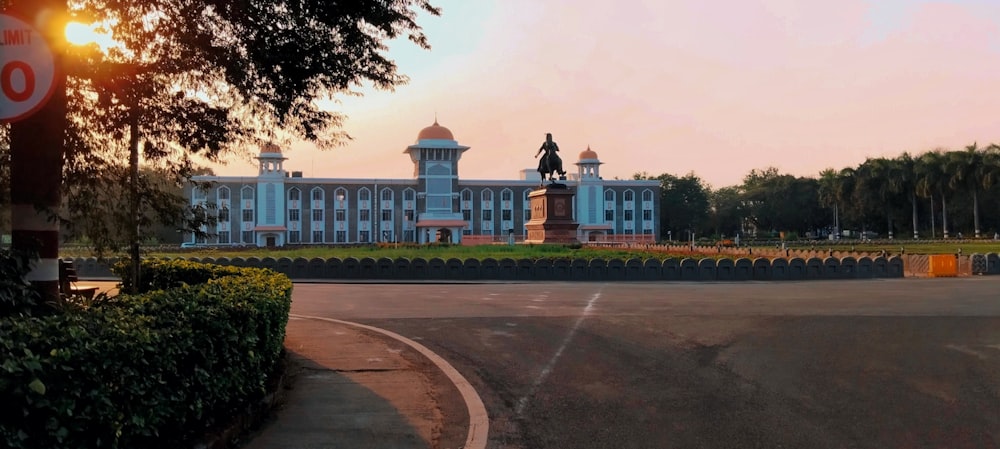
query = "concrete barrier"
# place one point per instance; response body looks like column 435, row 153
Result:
column 298, row 268
column 880, row 267
column 670, row 269
column 992, row 263
column 864, row 268
column 454, row 268
column 597, row 270
column 725, row 270
column 471, row 269
column 579, row 269
column 508, row 269
column 779, row 269
column 615, row 270
column 848, row 268
column 366, row 268
column 742, row 269
column 316, row 268
column 562, row 269
column 814, row 268
column 652, row 269
column 385, row 268
column 489, row 268
column 334, row 268
column 419, row 269
column 831, row 268
column 797, row 269
column 706, row 269
column 634, row 269
column 402, row 268
column 525, row 269
column 895, row 267
column 436, row 268
column 565, row 269
column 351, row 268
column 761, row 269
column 541, row 270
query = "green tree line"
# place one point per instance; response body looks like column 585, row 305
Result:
column 935, row 194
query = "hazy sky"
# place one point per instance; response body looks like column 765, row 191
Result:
column 716, row 87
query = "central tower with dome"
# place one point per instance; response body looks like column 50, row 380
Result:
column 435, row 157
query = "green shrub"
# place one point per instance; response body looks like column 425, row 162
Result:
column 16, row 295
column 152, row 370
column 163, row 274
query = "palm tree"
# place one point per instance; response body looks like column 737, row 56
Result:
column 903, row 179
column 844, row 194
column 932, row 180
column 971, row 170
column 828, row 190
column 877, row 177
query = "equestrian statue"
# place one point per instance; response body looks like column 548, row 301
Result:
column 550, row 163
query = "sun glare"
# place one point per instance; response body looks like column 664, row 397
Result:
column 80, row 34
column 83, row 34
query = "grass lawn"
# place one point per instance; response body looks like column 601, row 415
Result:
column 535, row 252
column 428, row 252
column 913, row 247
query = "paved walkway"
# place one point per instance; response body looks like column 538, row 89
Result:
column 351, row 390
column 354, row 388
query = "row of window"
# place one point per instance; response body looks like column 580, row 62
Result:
column 387, row 194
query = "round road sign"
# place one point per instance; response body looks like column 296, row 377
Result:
column 27, row 69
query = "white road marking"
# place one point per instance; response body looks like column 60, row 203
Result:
column 479, row 420
column 523, row 402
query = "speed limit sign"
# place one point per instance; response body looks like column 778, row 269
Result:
column 27, row 69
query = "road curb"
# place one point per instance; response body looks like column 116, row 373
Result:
column 479, row 421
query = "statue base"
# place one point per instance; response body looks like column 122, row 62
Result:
column 552, row 215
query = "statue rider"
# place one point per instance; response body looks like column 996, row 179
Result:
column 550, row 162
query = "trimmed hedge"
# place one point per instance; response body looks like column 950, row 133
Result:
column 154, row 370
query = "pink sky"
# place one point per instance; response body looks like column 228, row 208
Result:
column 673, row 86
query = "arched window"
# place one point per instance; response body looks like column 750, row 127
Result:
column 387, row 194
column 466, row 195
column 223, row 194
column 647, row 195
column 341, row 196
column 317, row 194
column 609, row 195
column 487, row 195
column 628, row 195
column 507, row 195
column 409, row 194
column 364, row 194
column 294, row 194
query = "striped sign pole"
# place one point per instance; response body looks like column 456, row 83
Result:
column 36, row 147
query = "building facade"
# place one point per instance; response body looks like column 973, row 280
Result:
column 278, row 208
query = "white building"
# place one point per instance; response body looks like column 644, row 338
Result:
column 277, row 208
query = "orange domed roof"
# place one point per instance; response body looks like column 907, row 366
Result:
column 435, row 131
column 588, row 154
column 270, row 148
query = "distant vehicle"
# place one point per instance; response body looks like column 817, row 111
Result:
column 187, row 245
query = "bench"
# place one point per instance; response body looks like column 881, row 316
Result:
column 68, row 280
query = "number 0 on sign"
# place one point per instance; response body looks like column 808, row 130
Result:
column 27, row 69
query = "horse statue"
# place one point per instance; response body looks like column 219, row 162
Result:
column 550, row 163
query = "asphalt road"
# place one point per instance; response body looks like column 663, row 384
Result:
column 901, row 363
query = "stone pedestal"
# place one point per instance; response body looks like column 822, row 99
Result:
column 552, row 215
